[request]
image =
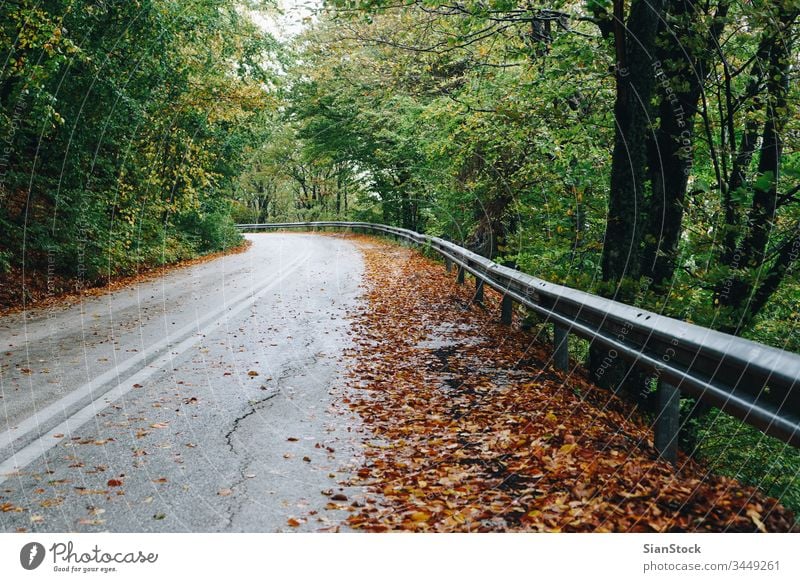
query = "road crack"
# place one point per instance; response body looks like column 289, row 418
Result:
column 255, row 406
column 238, row 485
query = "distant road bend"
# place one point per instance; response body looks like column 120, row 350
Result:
column 202, row 399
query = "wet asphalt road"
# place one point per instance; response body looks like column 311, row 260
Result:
column 206, row 400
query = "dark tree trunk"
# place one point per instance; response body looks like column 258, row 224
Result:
column 338, row 193
column 493, row 226
column 743, row 295
column 635, row 44
column 635, row 86
column 744, row 156
column 679, row 82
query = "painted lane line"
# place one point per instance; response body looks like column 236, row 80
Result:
column 37, row 448
column 22, row 457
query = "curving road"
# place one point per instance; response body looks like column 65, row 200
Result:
column 207, row 400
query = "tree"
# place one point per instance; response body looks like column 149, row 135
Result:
column 127, row 128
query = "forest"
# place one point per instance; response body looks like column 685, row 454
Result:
column 124, row 128
column 645, row 151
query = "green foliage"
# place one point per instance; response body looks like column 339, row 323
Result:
column 126, row 126
column 5, row 262
column 733, row 448
column 488, row 124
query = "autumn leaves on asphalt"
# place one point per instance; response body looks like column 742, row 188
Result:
column 472, row 429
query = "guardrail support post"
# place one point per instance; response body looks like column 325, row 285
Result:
column 561, row 347
column 668, row 402
column 478, row 291
column 460, row 276
column 506, row 310
column 448, row 265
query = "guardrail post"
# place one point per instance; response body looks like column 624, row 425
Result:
column 560, row 347
column 506, row 310
column 448, row 265
column 668, row 402
column 681, row 345
column 478, row 290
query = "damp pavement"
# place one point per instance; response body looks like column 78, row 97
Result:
column 206, row 400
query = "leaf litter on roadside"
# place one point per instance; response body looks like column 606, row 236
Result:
column 473, row 430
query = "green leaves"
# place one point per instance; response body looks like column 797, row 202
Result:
column 597, row 5
column 130, row 125
column 764, row 181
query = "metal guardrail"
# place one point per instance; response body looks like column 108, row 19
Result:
column 758, row 384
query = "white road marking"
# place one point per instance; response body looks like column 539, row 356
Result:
column 44, row 442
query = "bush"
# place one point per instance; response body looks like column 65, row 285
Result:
column 737, row 450
column 5, row 262
column 242, row 214
column 217, row 232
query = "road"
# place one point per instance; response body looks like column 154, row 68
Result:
column 206, row 400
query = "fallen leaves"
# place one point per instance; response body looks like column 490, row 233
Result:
column 87, row 491
column 10, row 508
column 39, row 285
column 472, row 430
column 91, row 441
column 53, row 502
column 754, row 515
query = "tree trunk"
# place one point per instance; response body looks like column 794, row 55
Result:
column 742, row 294
column 635, row 46
column 635, row 86
column 670, row 145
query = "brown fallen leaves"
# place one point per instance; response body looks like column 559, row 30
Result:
column 42, row 289
column 10, row 507
column 474, row 431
